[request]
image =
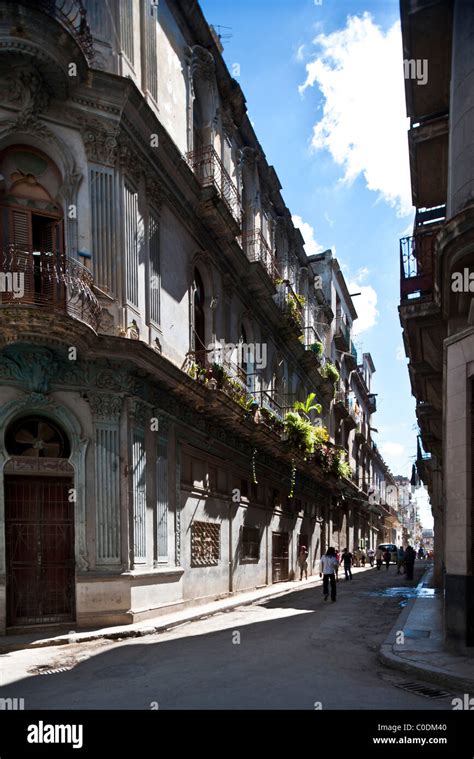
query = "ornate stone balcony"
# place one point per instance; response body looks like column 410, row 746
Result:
column 47, row 281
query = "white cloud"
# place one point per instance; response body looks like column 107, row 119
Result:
column 328, row 219
column 400, row 354
column 365, row 305
column 300, row 53
column 312, row 247
column 359, row 71
column 395, row 455
column 362, row 274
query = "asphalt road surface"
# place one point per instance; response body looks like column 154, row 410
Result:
column 291, row 652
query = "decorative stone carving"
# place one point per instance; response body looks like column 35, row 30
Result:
column 140, row 413
column 25, row 89
column 106, row 323
column 129, row 160
column 105, row 407
column 202, row 63
column 100, row 141
column 33, row 366
column 249, row 158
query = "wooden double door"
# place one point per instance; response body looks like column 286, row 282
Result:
column 39, row 524
column 280, row 556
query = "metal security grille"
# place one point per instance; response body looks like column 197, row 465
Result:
column 205, row 544
column 40, row 550
column 420, row 689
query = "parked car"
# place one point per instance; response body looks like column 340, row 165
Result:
column 389, row 547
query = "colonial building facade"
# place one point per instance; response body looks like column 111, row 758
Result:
column 159, row 321
column 436, row 293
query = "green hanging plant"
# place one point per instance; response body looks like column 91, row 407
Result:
column 330, row 372
column 293, row 479
column 254, row 473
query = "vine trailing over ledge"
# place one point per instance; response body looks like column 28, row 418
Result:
column 254, row 473
column 293, row 479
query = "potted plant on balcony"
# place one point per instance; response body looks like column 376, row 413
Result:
column 330, row 372
column 307, row 406
column 317, row 348
column 294, row 304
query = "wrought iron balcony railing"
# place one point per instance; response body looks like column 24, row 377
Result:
column 312, row 342
column 211, row 172
column 291, row 304
column 257, row 249
column 417, row 266
column 47, row 280
column 71, row 14
column 277, row 404
column 343, row 331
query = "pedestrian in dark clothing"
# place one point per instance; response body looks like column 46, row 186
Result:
column 328, row 573
column 346, row 559
column 386, row 557
column 410, row 557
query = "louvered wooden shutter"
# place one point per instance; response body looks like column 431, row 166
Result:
column 20, row 229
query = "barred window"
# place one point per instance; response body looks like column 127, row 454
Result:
column 205, row 544
column 250, row 544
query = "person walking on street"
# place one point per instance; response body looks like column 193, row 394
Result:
column 371, row 556
column 400, row 560
column 328, row 573
column 410, row 557
column 363, row 557
column 379, row 558
column 386, row 557
column 303, row 561
column 346, row 559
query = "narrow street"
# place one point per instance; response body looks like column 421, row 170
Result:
column 295, row 651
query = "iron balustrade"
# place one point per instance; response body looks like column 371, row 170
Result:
column 272, row 401
column 48, row 280
column 342, row 328
column 218, row 367
column 417, row 265
column 211, row 172
column 71, row 14
column 257, row 249
column 291, row 303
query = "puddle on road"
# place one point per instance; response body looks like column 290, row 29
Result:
column 405, row 593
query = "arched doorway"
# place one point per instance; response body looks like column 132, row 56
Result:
column 39, row 524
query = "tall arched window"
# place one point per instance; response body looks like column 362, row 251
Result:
column 199, row 318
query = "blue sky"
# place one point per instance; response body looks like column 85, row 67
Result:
column 325, row 93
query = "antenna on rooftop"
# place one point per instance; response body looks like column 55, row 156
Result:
column 221, row 34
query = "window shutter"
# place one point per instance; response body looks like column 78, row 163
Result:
column 20, row 226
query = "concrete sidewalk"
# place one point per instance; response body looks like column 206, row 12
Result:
column 42, row 639
column 420, row 652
